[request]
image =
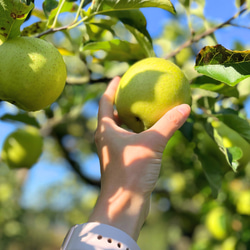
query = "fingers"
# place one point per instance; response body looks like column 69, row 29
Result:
column 172, row 120
column 107, row 100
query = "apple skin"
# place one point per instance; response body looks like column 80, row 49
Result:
column 22, row 148
column 148, row 90
column 32, row 73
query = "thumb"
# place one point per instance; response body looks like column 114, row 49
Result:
column 172, row 120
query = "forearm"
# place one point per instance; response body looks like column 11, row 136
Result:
column 124, row 210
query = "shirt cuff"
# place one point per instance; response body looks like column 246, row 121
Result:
column 100, row 236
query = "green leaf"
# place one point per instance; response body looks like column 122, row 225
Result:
column 210, row 84
column 236, row 123
column 117, row 50
column 143, row 41
column 107, row 5
column 212, row 159
column 236, row 152
column 218, row 138
column 187, row 129
column 21, row 117
column 136, row 23
column 186, row 3
column 34, row 28
column 224, row 65
column 12, row 14
column 212, row 171
column 133, row 18
column 48, row 6
column 96, row 28
column 230, row 143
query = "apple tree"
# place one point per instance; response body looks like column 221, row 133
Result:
column 202, row 199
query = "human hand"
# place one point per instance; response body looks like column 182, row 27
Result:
column 130, row 164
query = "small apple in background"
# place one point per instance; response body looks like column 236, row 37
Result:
column 218, row 222
column 148, row 90
column 32, row 73
column 22, row 148
column 243, row 202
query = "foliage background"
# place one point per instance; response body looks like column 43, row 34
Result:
column 38, row 206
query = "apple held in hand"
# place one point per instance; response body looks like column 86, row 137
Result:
column 148, row 90
column 32, row 73
column 22, row 148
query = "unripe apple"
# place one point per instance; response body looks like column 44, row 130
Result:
column 218, row 222
column 148, row 90
column 243, row 202
column 22, row 148
column 32, row 73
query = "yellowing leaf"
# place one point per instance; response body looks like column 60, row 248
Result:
column 65, row 52
column 12, row 15
column 224, row 65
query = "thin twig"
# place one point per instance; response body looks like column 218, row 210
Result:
column 240, row 26
column 52, row 30
column 208, row 32
column 57, row 14
column 78, row 11
column 72, row 25
column 74, row 164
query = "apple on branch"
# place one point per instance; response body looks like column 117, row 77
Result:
column 148, row 90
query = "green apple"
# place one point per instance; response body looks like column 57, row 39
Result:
column 218, row 222
column 32, row 73
column 148, row 90
column 243, row 202
column 229, row 243
column 22, row 148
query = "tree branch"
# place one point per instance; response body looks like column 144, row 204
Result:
column 240, row 26
column 52, row 30
column 74, row 164
column 208, row 32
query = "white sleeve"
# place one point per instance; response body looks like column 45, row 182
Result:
column 96, row 236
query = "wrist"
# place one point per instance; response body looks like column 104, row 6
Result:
column 124, row 210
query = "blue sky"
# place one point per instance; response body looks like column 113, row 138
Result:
column 43, row 174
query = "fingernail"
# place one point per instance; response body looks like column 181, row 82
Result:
column 183, row 109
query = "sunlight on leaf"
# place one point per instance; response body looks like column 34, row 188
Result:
column 224, row 65
column 210, row 84
column 117, row 50
column 106, row 5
